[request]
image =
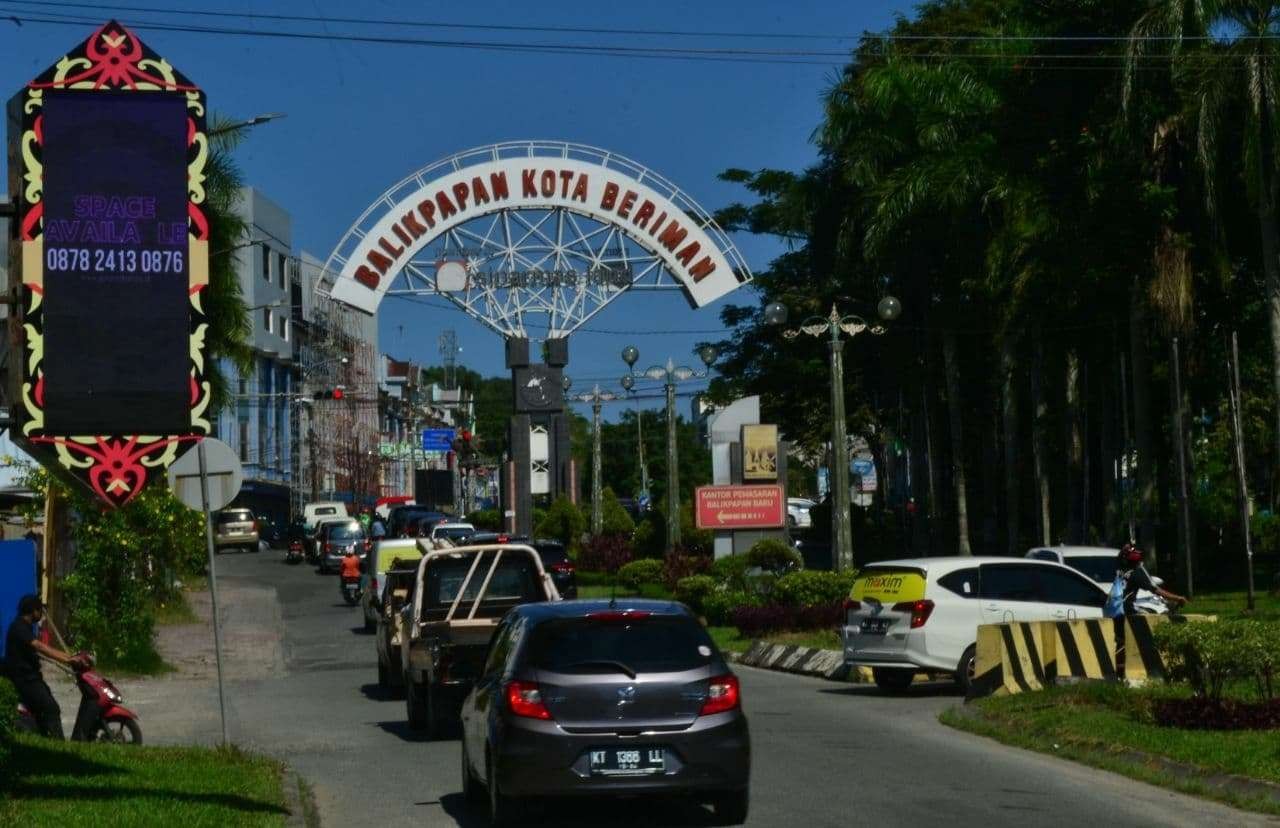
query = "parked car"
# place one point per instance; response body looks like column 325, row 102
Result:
column 336, row 538
column 401, row 516
column 798, row 512
column 235, row 528
column 1099, row 564
column 626, row 698
column 555, row 558
column 923, row 614
column 314, row 514
column 459, row 596
column 456, row 533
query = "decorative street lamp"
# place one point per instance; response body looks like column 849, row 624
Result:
column 671, row 374
column 596, row 397
column 628, row 385
column 889, row 309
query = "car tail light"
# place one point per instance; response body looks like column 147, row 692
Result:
column 328, row 547
column 563, row 566
column 504, row 538
column 373, row 584
column 851, row 605
column 920, row 611
column 722, row 694
column 524, row 699
column 618, row 615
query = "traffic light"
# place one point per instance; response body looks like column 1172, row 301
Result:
column 335, row 393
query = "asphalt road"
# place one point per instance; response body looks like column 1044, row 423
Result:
column 824, row 753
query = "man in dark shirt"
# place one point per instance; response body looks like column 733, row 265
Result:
column 1137, row 578
column 22, row 651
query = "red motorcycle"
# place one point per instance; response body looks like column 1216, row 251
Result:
column 295, row 553
column 101, row 717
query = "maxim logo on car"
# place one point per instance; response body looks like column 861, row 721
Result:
column 884, row 583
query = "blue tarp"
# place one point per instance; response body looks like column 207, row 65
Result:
column 17, row 578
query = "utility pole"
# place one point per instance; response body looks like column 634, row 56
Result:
column 671, row 374
column 596, row 397
column 833, row 324
column 1242, row 482
column 1179, row 444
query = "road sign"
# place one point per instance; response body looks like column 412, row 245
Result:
column 438, row 439
column 224, row 471
column 740, row 507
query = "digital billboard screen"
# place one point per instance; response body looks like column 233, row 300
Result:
column 116, row 319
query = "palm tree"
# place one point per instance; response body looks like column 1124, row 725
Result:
column 1235, row 75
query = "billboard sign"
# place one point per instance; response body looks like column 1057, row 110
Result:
column 438, row 439
column 110, row 153
column 759, row 453
column 740, row 507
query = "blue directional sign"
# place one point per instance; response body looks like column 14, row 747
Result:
column 438, row 439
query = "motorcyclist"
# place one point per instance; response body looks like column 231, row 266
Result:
column 1136, row 578
column 350, row 566
column 23, row 650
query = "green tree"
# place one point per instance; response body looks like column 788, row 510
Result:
column 564, row 522
column 614, row 518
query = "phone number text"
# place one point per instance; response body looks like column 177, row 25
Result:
column 83, row 260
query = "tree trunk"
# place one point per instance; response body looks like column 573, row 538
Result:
column 1144, row 473
column 1105, row 406
column 1038, row 449
column 1009, row 421
column 1075, row 451
column 952, row 369
column 1271, row 269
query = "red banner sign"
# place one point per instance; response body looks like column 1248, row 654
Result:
column 741, row 507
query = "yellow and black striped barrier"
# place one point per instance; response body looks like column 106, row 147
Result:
column 1021, row 657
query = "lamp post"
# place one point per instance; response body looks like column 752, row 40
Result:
column 832, row 325
column 671, row 374
column 596, row 397
column 629, row 384
column 254, row 121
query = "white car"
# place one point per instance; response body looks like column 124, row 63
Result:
column 1099, row 563
column 798, row 512
column 923, row 614
column 454, row 532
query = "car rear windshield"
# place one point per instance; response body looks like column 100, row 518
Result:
column 345, row 531
column 514, row 580
column 657, row 644
column 551, row 553
column 235, row 516
column 323, row 511
column 1095, row 567
column 889, row 584
column 455, row 532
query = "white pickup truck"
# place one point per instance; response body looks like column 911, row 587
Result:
column 458, row 598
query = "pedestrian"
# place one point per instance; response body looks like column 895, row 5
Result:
column 22, row 651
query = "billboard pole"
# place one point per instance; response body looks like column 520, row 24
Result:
column 213, row 586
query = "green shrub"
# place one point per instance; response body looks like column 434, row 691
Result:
column 650, row 537
column 486, row 520
column 563, row 521
column 605, row 553
column 8, row 716
column 812, row 587
column 1209, row 655
column 731, row 571
column 614, row 518
column 718, row 606
column 773, row 555
column 694, row 589
column 643, row 571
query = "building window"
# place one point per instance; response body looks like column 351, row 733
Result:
column 266, row 319
column 283, row 277
column 284, row 328
column 266, row 263
column 244, row 441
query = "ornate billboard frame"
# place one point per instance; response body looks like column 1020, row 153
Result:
column 115, row 467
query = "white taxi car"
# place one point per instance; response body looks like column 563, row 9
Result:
column 906, row 616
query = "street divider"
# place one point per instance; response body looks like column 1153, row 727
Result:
column 1021, row 657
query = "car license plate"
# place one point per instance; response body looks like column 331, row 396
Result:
column 875, row 626
column 628, row 761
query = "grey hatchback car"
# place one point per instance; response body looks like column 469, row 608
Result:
column 624, row 698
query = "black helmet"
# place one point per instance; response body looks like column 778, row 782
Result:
column 28, row 604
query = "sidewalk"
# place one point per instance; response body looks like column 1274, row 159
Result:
column 182, row 707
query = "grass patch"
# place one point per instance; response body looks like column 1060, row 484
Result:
column 1228, row 605
column 74, row 784
column 729, row 639
column 656, row 591
column 175, row 611
column 1102, row 724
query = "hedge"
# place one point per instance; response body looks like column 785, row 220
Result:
column 1209, row 655
column 811, row 587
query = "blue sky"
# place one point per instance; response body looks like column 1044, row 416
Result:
column 362, row 116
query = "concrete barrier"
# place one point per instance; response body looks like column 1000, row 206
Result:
column 1022, row 657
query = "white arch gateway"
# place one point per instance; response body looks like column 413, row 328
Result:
column 533, row 229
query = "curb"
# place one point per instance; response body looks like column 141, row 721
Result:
column 301, row 814
column 807, row 661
